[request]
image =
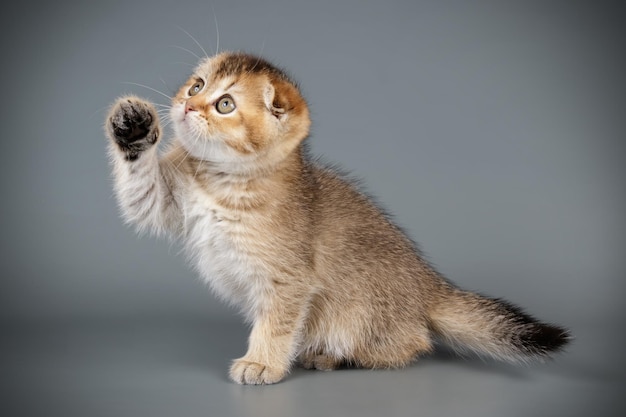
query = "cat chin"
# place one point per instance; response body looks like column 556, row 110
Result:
column 212, row 149
column 205, row 148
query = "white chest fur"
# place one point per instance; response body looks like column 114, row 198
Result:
column 217, row 242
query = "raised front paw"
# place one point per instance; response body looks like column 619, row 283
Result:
column 253, row 373
column 133, row 124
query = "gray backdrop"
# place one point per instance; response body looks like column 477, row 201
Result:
column 493, row 131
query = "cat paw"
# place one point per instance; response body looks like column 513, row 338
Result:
column 253, row 373
column 133, row 124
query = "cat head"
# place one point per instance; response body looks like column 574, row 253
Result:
column 240, row 112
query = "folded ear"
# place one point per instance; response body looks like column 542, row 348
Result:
column 284, row 101
column 282, row 97
column 272, row 102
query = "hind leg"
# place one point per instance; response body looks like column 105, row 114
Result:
column 392, row 352
column 319, row 361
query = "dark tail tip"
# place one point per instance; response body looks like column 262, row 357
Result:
column 543, row 339
column 535, row 338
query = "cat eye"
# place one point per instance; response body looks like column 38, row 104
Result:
column 225, row 104
column 196, row 88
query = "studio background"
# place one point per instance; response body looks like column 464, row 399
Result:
column 492, row 131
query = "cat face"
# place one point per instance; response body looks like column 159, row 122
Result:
column 239, row 109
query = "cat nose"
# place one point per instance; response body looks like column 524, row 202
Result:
column 189, row 107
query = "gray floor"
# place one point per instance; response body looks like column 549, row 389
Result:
column 178, row 368
column 493, row 131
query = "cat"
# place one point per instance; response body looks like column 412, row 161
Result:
column 323, row 275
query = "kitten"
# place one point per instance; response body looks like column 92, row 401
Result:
column 322, row 274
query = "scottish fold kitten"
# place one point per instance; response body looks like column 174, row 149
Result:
column 325, row 278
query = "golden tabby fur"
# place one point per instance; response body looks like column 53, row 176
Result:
column 322, row 274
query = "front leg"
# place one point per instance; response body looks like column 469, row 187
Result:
column 143, row 190
column 272, row 344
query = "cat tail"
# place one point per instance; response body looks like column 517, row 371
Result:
column 494, row 327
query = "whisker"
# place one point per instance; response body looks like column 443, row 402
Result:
column 101, row 109
column 262, row 47
column 196, row 135
column 149, row 88
column 166, row 125
column 166, row 120
column 248, row 73
column 177, row 167
column 195, row 40
column 164, row 83
column 187, row 64
column 217, row 30
column 187, row 50
column 258, row 58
